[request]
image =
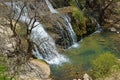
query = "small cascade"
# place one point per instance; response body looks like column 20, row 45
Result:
column 98, row 27
column 70, row 31
column 45, row 48
column 51, row 7
column 67, row 25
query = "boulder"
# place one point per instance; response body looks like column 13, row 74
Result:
column 86, row 77
column 113, row 29
column 117, row 32
column 34, row 70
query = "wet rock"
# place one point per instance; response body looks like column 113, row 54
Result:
column 34, row 70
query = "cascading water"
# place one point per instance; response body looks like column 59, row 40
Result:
column 50, row 7
column 98, row 27
column 67, row 24
column 45, row 48
column 70, row 30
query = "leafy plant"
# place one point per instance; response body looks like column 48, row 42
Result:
column 103, row 64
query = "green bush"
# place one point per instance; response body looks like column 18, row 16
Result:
column 80, row 21
column 102, row 65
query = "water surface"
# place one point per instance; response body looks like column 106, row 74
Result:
column 82, row 57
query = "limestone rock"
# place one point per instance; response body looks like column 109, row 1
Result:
column 117, row 32
column 34, row 70
column 86, row 77
column 6, row 41
column 113, row 29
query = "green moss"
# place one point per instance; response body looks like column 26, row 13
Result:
column 21, row 30
column 80, row 21
column 3, row 69
column 103, row 63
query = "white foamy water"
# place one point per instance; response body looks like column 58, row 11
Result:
column 51, row 7
column 46, row 46
column 98, row 27
column 67, row 24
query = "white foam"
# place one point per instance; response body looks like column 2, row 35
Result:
column 47, row 48
column 51, row 7
column 67, row 24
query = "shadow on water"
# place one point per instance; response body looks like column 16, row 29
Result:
column 82, row 57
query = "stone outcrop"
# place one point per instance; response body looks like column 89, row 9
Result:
column 34, row 70
column 84, row 77
column 113, row 22
column 6, row 43
column 31, row 70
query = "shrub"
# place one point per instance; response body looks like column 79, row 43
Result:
column 103, row 64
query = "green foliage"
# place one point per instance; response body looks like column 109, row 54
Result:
column 77, row 3
column 72, row 2
column 3, row 68
column 80, row 21
column 103, row 64
column 78, row 14
column 21, row 30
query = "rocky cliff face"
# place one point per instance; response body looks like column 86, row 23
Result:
column 112, row 22
column 6, row 43
column 33, row 69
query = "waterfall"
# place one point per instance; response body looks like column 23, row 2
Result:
column 50, row 7
column 70, row 30
column 67, row 24
column 98, row 27
column 45, row 48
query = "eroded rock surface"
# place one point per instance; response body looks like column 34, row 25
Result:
column 34, row 70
